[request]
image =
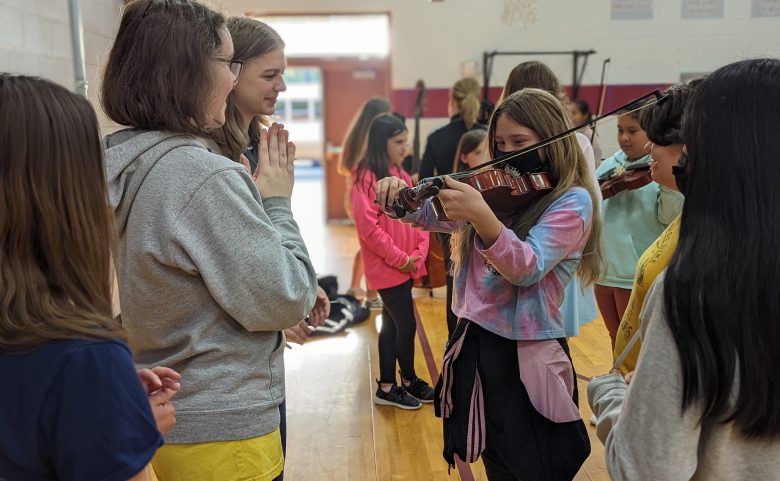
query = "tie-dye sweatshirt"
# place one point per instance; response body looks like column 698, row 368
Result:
column 514, row 288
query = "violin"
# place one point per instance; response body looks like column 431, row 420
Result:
column 505, row 191
column 620, row 179
column 507, row 183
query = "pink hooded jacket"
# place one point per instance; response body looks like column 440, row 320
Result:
column 385, row 243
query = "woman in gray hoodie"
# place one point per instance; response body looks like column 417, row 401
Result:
column 211, row 264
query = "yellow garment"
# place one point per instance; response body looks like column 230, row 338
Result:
column 653, row 262
column 255, row 459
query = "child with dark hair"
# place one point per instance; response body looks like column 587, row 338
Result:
column 663, row 124
column 580, row 113
column 633, row 219
column 704, row 400
column 393, row 256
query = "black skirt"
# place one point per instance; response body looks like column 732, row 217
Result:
column 484, row 405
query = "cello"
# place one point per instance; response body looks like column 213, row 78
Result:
column 434, row 261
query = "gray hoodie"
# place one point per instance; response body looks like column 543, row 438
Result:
column 646, row 433
column 209, row 273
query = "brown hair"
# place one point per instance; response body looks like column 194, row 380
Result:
column 466, row 95
column 357, row 136
column 251, row 38
column 56, row 226
column 532, row 74
column 540, row 111
column 467, row 144
column 158, row 72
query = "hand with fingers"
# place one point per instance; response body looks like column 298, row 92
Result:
column 159, row 377
column 274, row 175
column 297, row 334
column 387, row 192
column 411, row 265
column 321, row 309
column 161, row 384
column 163, row 409
column 463, row 202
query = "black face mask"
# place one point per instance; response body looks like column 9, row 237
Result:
column 528, row 162
column 680, row 172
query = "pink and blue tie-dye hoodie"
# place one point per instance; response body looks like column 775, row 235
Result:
column 514, row 288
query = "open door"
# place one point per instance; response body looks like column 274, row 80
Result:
column 351, row 73
column 347, row 84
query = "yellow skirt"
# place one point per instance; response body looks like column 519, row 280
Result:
column 255, row 459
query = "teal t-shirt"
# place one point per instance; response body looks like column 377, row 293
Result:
column 633, row 220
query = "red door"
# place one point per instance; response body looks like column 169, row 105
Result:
column 347, row 84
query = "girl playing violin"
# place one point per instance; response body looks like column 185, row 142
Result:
column 508, row 388
column 633, row 219
column 393, row 256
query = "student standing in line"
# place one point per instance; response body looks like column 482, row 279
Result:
column 508, row 390
column 704, row 400
column 633, row 219
column 393, row 256
column 211, row 264
column 72, row 404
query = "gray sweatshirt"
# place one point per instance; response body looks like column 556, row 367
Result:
column 208, row 275
column 646, row 434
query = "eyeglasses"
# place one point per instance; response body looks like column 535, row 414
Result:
column 235, row 66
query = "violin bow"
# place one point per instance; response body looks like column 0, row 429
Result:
column 542, row 143
column 418, row 110
column 602, row 96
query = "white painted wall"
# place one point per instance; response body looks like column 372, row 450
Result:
column 35, row 40
column 432, row 40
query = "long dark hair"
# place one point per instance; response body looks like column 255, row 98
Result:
column 251, row 38
column 383, row 128
column 158, row 71
column 357, row 136
column 468, row 143
column 722, row 288
column 56, row 225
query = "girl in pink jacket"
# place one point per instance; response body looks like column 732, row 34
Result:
column 393, row 256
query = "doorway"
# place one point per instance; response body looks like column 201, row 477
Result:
column 347, row 73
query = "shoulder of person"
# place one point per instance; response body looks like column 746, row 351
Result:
column 96, row 347
column 610, row 162
column 454, row 126
column 365, row 179
column 575, row 199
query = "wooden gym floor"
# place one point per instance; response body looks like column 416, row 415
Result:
column 334, row 430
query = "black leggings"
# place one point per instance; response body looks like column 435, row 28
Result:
column 396, row 338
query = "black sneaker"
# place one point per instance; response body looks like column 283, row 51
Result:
column 397, row 397
column 419, row 390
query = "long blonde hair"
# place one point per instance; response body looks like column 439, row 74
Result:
column 541, row 112
column 465, row 92
column 56, row 226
